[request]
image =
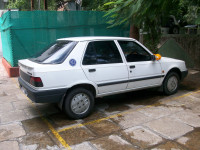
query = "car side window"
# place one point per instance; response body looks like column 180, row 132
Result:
column 102, row 52
column 134, row 52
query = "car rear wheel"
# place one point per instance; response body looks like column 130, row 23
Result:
column 171, row 83
column 79, row 103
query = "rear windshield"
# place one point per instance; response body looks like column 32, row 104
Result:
column 56, row 53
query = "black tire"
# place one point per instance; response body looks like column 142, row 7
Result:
column 68, row 101
column 166, row 88
column 175, row 30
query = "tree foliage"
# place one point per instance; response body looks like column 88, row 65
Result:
column 144, row 14
column 96, row 5
column 189, row 11
column 25, row 5
column 147, row 15
column 19, row 4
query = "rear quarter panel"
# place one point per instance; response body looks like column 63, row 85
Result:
column 64, row 75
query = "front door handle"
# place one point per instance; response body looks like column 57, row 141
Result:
column 132, row 67
column 92, row 70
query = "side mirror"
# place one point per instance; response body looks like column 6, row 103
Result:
column 157, row 56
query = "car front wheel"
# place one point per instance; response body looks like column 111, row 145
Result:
column 171, row 83
column 79, row 103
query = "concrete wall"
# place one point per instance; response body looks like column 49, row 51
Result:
column 190, row 43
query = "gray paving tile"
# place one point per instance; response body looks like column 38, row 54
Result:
column 9, row 145
column 169, row 127
column 10, row 131
column 141, row 137
column 132, row 119
column 188, row 117
column 12, row 116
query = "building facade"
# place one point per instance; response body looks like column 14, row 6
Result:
column 3, row 4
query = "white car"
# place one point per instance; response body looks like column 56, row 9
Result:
column 74, row 71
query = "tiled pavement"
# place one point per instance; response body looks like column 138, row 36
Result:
column 136, row 121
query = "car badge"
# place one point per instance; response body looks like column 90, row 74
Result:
column 72, row 62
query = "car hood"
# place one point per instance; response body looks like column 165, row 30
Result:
column 167, row 59
column 169, row 63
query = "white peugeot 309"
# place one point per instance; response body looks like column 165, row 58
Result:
column 73, row 71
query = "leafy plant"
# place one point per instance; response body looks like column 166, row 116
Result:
column 19, row 4
column 144, row 14
column 25, row 5
column 96, row 5
column 189, row 11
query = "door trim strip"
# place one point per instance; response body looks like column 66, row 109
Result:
column 131, row 80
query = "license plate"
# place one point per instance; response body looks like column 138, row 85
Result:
column 23, row 90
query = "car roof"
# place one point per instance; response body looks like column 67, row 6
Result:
column 91, row 38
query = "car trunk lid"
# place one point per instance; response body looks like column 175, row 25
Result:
column 27, row 66
column 27, row 69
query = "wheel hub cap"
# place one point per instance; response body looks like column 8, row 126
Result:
column 172, row 84
column 80, row 103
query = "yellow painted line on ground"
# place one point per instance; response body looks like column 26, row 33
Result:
column 123, row 113
column 54, row 132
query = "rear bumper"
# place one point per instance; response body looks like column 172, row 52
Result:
column 46, row 96
column 184, row 74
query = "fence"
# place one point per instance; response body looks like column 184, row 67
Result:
column 24, row 33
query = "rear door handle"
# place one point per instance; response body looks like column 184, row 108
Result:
column 131, row 67
column 92, row 70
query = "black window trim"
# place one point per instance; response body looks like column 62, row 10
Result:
column 65, row 58
column 148, row 51
column 114, row 40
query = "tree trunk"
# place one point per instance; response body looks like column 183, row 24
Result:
column 32, row 5
column 45, row 5
column 134, row 32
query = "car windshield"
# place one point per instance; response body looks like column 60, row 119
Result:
column 56, row 53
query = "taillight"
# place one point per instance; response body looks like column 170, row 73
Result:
column 36, row 81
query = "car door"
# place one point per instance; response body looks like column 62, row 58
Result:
column 143, row 71
column 102, row 63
